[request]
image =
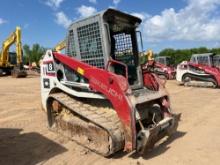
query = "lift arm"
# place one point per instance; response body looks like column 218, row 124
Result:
column 15, row 37
column 113, row 86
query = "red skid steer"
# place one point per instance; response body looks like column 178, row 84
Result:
column 97, row 95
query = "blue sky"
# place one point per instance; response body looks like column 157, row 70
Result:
column 166, row 23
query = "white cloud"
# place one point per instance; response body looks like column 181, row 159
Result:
column 116, row 2
column 141, row 15
column 26, row 25
column 54, row 3
column 195, row 22
column 2, row 21
column 86, row 11
column 62, row 19
column 93, row 1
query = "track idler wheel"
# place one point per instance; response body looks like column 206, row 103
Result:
column 186, row 79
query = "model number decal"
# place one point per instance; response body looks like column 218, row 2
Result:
column 104, row 87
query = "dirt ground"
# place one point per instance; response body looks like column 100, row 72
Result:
column 25, row 139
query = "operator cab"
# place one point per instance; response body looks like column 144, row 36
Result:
column 164, row 60
column 216, row 61
column 121, row 29
column 107, row 40
column 12, row 58
column 203, row 59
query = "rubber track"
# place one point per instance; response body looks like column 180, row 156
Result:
column 205, row 79
column 103, row 117
column 196, row 84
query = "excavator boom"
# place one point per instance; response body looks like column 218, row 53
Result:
column 60, row 46
column 14, row 38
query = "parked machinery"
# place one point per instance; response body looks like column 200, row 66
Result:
column 216, row 61
column 160, row 65
column 7, row 60
column 163, row 60
column 202, row 70
column 97, row 93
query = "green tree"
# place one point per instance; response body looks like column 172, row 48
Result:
column 27, row 53
column 34, row 53
column 179, row 55
column 215, row 50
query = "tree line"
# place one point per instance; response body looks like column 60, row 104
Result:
column 33, row 54
column 179, row 55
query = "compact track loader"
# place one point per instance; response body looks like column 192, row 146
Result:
column 202, row 71
column 97, row 94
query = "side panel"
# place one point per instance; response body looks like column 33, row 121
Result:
column 180, row 72
column 49, row 81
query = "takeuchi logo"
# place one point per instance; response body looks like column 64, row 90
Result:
column 107, row 89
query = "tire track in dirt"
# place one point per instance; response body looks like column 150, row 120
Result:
column 196, row 142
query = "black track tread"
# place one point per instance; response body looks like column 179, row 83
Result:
column 205, row 79
column 103, row 117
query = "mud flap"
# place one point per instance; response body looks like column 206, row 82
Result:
column 148, row 137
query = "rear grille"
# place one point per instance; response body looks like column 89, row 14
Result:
column 90, row 44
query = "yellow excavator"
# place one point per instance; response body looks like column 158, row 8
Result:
column 7, row 66
column 60, row 46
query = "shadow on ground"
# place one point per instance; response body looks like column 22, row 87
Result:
column 161, row 148
column 26, row 148
column 156, row 151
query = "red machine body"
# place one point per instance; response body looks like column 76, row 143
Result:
column 200, row 68
column 98, row 95
column 115, row 88
column 164, row 70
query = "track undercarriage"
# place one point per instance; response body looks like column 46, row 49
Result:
column 96, row 128
column 206, row 81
